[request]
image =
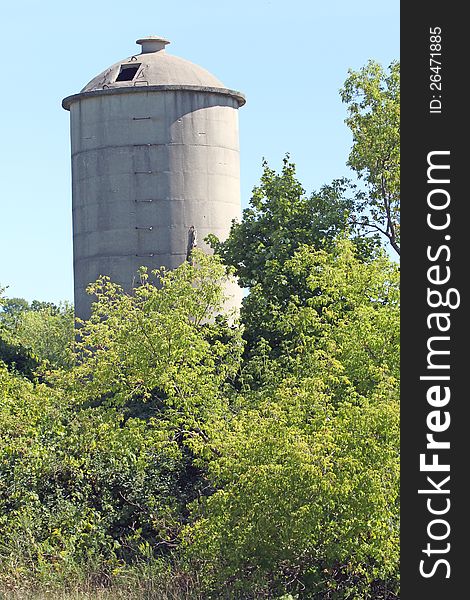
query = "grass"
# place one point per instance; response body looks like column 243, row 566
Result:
column 114, row 593
column 132, row 586
column 96, row 594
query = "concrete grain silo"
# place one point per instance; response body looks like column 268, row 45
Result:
column 155, row 158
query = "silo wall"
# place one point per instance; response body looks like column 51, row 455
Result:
column 146, row 166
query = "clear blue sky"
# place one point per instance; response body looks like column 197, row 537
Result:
column 289, row 58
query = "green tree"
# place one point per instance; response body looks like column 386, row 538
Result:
column 31, row 334
column 279, row 220
column 11, row 310
column 166, row 342
column 98, row 466
column 15, row 356
column 352, row 319
column 372, row 96
column 48, row 331
column 306, row 470
column 83, row 491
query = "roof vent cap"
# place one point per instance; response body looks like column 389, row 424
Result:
column 152, row 43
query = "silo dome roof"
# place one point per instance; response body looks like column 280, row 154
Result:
column 153, row 67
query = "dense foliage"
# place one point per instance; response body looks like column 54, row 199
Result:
column 306, row 473
column 164, row 442
column 31, row 334
column 269, row 476
column 281, row 219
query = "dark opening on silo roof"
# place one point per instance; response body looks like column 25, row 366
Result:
column 128, row 72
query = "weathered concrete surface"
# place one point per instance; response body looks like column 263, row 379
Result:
column 147, row 164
